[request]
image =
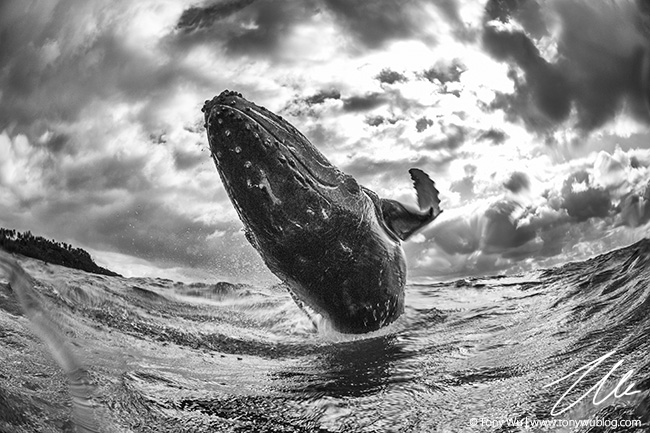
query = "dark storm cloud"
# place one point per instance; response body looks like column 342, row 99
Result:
column 494, row 135
column 308, row 106
column 322, row 96
column 422, row 123
column 389, row 76
column 449, row 8
column 527, row 12
column 375, row 22
column 545, row 85
column 200, row 17
column 57, row 142
column 586, row 201
column 272, row 20
column 49, row 80
column 220, row 23
column 518, row 181
column 501, row 231
column 365, row 102
column 380, row 120
column 599, row 66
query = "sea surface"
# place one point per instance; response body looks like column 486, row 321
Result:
column 111, row 354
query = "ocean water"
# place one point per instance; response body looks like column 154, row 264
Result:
column 111, row 354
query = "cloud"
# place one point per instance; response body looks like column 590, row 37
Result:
column 453, row 137
column 494, row 135
column 596, row 73
column 464, row 187
column 55, row 75
column 365, row 168
column 445, row 73
column 196, row 18
column 502, row 232
column 582, row 214
column 102, row 143
column 380, row 120
column 322, row 96
column 581, row 200
column 544, row 85
column 247, row 27
column 365, row 102
column 518, row 181
column 422, row 123
column 377, row 22
column 389, row 76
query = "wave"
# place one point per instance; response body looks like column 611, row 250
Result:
column 158, row 355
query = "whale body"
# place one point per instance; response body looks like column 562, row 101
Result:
column 335, row 243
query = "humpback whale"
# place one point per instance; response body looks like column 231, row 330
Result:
column 335, row 243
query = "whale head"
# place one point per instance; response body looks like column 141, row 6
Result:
column 274, row 176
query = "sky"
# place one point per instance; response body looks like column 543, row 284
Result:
column 532, row 117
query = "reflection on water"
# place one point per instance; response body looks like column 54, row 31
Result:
column 163, row 356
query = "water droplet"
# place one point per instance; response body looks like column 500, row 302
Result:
column 237, row 149
column 220, row 121
column 218, row 154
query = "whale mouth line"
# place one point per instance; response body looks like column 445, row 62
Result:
column 298, row 158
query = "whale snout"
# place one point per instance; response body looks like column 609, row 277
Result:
column 232, row 128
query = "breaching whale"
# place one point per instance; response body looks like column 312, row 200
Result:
column 335, row 243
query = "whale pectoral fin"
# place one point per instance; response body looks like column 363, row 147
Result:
column 426, row 191
column 404, row 222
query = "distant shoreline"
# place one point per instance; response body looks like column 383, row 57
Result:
column 50, row 251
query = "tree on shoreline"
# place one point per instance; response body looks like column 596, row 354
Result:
column 50, row 251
